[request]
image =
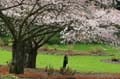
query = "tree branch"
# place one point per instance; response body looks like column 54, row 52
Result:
column 7, row 8
column 9, row 24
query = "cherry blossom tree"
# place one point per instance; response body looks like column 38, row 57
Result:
column 98, row 25
column 27, row 20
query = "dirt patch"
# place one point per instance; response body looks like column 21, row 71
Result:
column 3, row 70
column 111, row 61
column 6, row 48
column 28, row 73
column 40, row 74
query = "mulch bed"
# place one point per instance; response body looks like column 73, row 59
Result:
column 111, row 61
column 70, row 52
column 37, row 74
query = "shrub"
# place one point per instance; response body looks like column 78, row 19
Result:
column 115, row 59
column 97, row 51
column 67, row 71
column 1, row 42
column 55, row 39
column 49, row 69
column 5, row 41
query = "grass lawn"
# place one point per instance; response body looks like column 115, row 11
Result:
column 5, row 56
column 86, row 64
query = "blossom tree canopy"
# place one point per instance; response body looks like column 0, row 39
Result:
column 29, row 11
column 91, row 17
column 26, row 20
column 98, row 25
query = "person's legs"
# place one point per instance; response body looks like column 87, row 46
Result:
column 64, row 65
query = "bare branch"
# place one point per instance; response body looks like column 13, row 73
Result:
column 7, row 8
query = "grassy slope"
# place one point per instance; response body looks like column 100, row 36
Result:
column 80, row 63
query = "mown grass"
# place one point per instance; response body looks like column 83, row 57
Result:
column 83, row 64
column 86, row 64
column 5, row 56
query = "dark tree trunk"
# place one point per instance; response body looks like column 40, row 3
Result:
column 31, row 58
column 30, row 55
column 17, row 65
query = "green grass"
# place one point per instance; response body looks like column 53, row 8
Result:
column 83, row 64
column 5, row 56
column 86, row 64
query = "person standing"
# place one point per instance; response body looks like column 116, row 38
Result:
column 65, row 61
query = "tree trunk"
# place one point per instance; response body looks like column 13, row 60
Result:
column 17, row 65
column 30, row 55
column 31, row 58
